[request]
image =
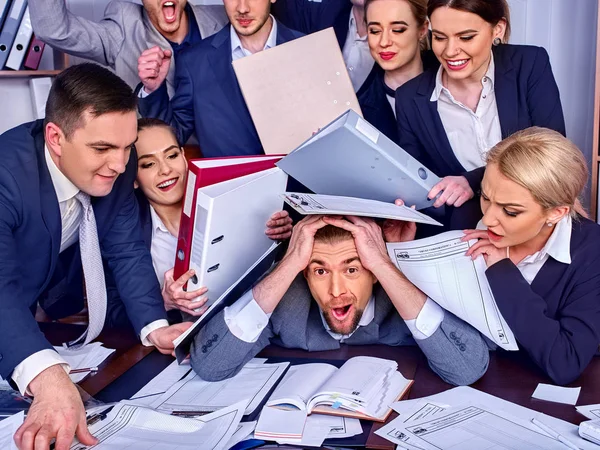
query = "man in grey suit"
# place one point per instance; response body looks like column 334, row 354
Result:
column 126, row 31
column 336, row 284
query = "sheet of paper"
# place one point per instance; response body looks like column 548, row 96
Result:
column 438, row 266
column 138, row 428
column 556, row 394
column 339, row 427
column 192, row 393
column 91, row 355
column 464, row 394
column 589, row 411
column 4, row 384
column 469, row 426
column 244, row 431
column 8, row 428
column 161, row 383
column 278, row 424
column 314, row 433
column 351, row 206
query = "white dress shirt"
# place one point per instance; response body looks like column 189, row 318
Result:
column 558, row 247
column 471, row 134
column 70, row 214
column 357, row 54
column 246, row 320
column 237, row 49
column 163, row 247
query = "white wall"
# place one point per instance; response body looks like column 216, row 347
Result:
column 567, row 30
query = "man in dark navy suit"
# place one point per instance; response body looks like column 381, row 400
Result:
column 207, row 97
column 66, row 184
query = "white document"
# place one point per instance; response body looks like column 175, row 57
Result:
column 192, row 394
column 339, row 427
column 351, row 206
column 229, row 228
column 8, row 428
column 589, row 411
column 161, row 383
column 133, row 427
column 467, row 395
column 244, row 431
column 466, row 427
column 276, row 424
column 86, row 357
column 556, row 394
column 439, row 267
column 39, row 89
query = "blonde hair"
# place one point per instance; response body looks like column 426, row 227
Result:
column 419, row 10
column 545, row 163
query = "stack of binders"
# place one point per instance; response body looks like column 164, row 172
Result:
column 18, row 47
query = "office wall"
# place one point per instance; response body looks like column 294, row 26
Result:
column 567, row 29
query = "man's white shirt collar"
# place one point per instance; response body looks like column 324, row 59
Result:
column 354, row 29
column 238, row 51
column 366, row 318
column 65, row 190
column 488, row 85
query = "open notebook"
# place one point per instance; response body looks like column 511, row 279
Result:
column 364, row 387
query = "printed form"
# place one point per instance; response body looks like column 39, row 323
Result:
column 439, row 267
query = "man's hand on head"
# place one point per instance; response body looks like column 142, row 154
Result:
column 162, row 338
column 56, row 412
column 368, row 239
column 302, row 241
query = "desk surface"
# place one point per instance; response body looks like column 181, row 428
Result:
column 510, row 376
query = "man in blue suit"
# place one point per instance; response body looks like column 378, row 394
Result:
column 64, row 179
column 207, row 96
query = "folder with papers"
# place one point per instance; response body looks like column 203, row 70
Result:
column 351, row 158
column 204, row 172
column 21, row 43
column 10, row 28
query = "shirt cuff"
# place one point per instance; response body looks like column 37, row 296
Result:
column 35, row 364
column 245, row 318
column 142, row 93
column 427, row 322
column 150, row 328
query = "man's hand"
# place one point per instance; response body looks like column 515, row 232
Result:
column 56, row 412
column 456, row 191
column 175, row 297
column 491, row 254
column 399, row 230
column 153, row 66
column 279, row 226
column 163, row 338
column 301, row 243
column 368, row 239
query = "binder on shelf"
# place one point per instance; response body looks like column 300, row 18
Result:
column 10, row 28
column 34, row 54
column 229, row 229
column 4, row 8
column 21, row 43
column 40, row 88
column 351, row 158
column 204, row 172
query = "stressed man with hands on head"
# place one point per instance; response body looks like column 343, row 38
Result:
column 336, row 284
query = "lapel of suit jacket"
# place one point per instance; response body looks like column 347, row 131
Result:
column 221, row 65
column 48, row 200
column 433, row 124
column 207, row 24
column 341, row 27
column 505, row 90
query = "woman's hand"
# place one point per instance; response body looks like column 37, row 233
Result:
column 491, row 254
column 455, row 192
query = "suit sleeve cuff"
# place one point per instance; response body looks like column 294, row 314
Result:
column 35, row 364
column 150, row 328
column 245, row 318
column 427, row 322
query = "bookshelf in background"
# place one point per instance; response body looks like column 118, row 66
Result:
column 596, row 136
column 61, row 61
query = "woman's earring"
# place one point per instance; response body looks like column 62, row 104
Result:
column 549, row 224
column 497, row 41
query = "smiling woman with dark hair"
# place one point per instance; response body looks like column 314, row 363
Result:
column 484, row 91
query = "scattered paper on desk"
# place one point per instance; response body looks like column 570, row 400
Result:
column 138, row 428
column 439, row 267
column 8, row 428
column 244, row 431
column 276, row 424
column 161, row 383
column 350, row 206
column 556, row 394
column 589, row 411
column 90, row 355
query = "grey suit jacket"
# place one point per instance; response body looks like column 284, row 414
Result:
column 456, row 351
column 118, row 39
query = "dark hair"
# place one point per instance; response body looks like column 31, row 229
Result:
column 148, row 122
column 86, row 88
column 492, row 11
column 331, row 235
column 419, row 10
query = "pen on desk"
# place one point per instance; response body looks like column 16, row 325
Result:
column 83, row 370
column 559, row 437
